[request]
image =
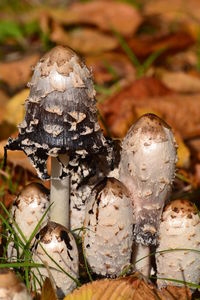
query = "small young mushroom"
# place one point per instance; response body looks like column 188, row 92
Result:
column 147, row 168
column 179, row 229
column 61, row 122
column 56, row 248
column 11, row 288
column 108, row 235
column 27, row 210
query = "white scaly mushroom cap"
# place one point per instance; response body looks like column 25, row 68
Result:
column 179, row 228
column 59, row 243
column 147, row 168
column 28, row 209
column 11, row 288
column 108, row 236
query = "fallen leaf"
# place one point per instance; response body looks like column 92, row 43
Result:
column 183, row 153
column 84, row 40
column 170, row 43
column 14, row 111
column 179, row 81
column 17, row 73
column 119, row 110
column 106, row 15
column 181, row 112
column 128, row 288
column 107, row 66
column 48, row 291
column 173, row 9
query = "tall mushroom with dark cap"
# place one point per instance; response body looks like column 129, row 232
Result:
column 61, row 122
column 147, row 168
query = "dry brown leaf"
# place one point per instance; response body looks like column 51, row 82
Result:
column 129, row 288
column 172, row 43
column 48, row 291
column 179, row 81
column 106, row 15
column 17, row 73
column 119, row 110
column 84, row 40
column 120, row 63
column 173, row 9
column 181, row 112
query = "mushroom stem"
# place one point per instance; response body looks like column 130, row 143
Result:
column 60, row 189
column 141, row 259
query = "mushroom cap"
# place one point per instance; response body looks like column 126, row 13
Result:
column 108, row 236
column 147, row 168
column 29, row 207
column 61, row 114
column 11, row 288
column 179, row 229
column 59, row 243
column 27, row 210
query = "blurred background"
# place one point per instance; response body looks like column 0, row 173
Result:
column 145, row 57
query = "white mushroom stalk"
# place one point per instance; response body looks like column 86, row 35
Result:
column 147, row 168
column 179, row 230
column 11, row 288
column 108, row 235
column 56, row 249
column 60, row 120
column 27, row 211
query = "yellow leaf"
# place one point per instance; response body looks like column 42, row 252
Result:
column 14, row 111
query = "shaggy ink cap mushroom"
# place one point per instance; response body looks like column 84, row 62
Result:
column 61, row 114
column 147, row 168
column 179, row 229
column 11, row 288
column 108, row 237
column 56, row 241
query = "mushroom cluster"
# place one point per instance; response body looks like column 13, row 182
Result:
column 121, row 216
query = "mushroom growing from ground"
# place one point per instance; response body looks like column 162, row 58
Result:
column 147, row 168
column 108, row 235
column 27, row 211
column 60, row 245
column 179, row 229
column 11, row 288
column 61, row 122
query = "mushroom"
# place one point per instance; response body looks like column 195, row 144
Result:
column 108, row 234
column 56, row 248
column 27, row 211
column 82, row 189
column 147, row 168
column 61, row 122
column 11, row 288
column 179, row 229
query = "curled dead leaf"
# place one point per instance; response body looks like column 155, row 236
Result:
column 170, row 43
